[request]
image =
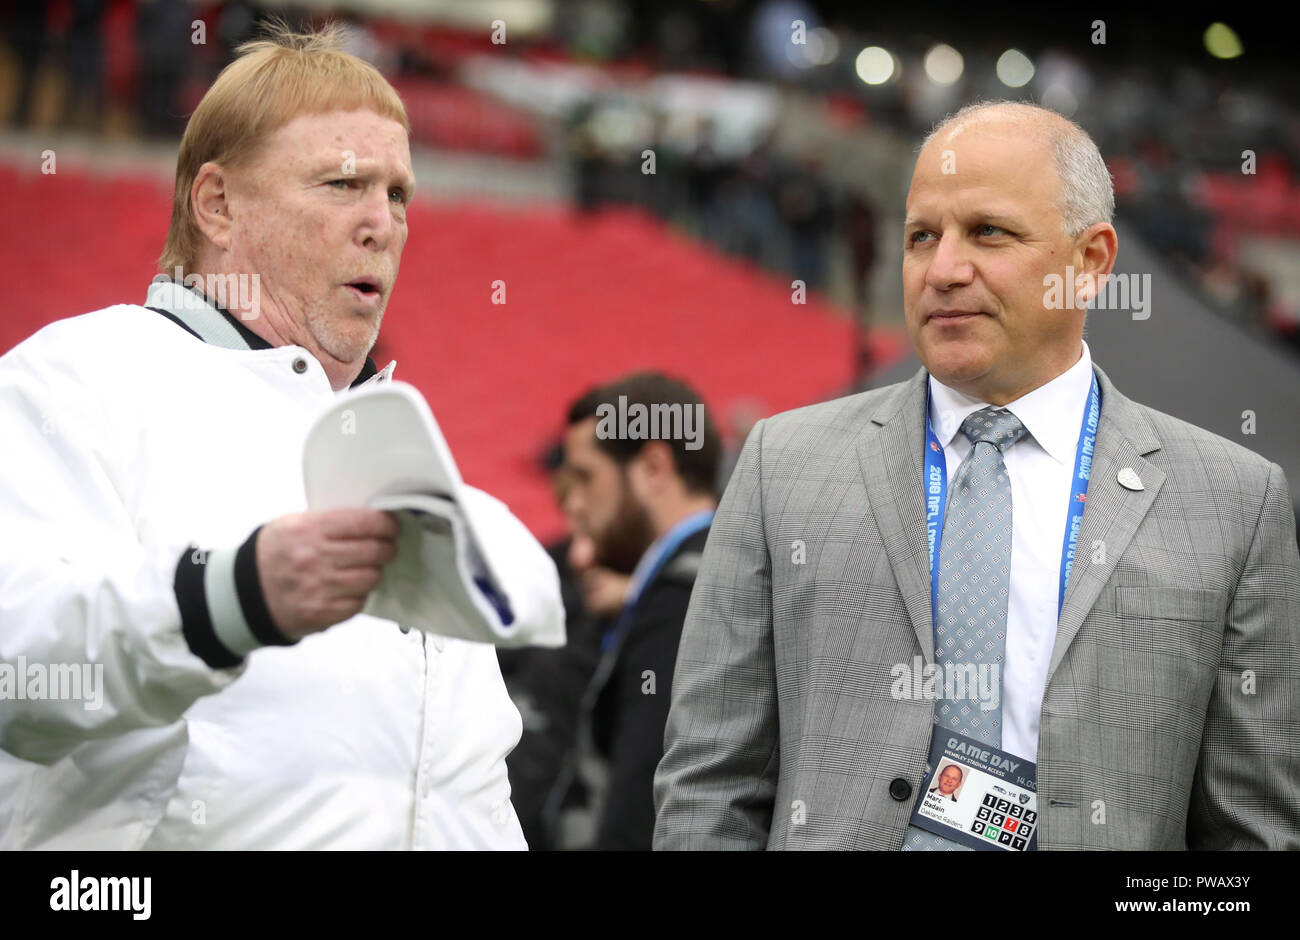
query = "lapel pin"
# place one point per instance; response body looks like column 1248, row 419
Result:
column 1129, row 479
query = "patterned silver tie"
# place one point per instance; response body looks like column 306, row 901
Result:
column 970, row 628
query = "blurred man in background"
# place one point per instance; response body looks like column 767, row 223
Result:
column 641, row 499
column 547, row 685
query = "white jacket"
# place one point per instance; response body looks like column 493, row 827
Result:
column 125, row 442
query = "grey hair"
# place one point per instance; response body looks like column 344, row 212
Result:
column 1087, row 190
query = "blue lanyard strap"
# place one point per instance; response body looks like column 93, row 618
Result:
column 936, row 493
column 654, row 559
column 1079, row 487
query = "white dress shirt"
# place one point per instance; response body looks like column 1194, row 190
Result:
column 1040, row 466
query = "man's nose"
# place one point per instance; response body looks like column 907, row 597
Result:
column 377, row 226
column 582, row 552
column 949, row 265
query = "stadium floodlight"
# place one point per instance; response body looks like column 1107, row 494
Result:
column 1015, row 69
column 943, row 64
column 875, row 65
column 1222, row 42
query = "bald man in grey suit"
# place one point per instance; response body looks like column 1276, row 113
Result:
column 1160, row 699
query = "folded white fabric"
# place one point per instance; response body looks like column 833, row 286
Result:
column 465, row 566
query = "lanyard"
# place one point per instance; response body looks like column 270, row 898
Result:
column 936, row 492
column 654, row 559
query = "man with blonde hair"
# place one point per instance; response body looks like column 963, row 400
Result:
column 155, row 535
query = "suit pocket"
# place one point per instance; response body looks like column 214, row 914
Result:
column 1164, row 602
column 1144, row 668
column 1179, row 628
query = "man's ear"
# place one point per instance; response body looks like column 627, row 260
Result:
column 1095, row 254
column 658, row 457
column 209, row 201
column 647, row 471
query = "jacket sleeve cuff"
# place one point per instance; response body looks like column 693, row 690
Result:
column 224, row 615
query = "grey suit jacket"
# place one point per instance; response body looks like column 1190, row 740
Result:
column 1171, row 715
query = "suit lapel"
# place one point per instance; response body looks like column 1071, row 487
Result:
column 1112, row 513
column 890, row 453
